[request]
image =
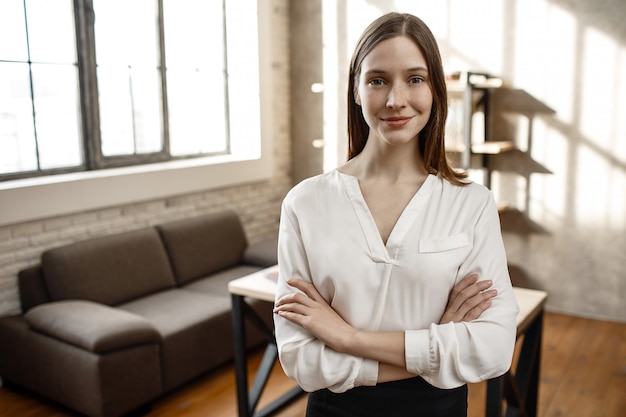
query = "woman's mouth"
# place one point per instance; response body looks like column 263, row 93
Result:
column 396, row 122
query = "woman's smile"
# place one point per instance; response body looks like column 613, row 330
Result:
column 397, row 122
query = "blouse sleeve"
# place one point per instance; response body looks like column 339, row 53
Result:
column 452, row 354
column 304, row 358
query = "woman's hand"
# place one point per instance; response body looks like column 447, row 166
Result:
column 467, row 300
column 311, row 311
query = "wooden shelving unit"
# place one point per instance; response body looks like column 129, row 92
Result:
column 492, row 148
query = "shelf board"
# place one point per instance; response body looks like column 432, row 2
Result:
column 493, row 147
column 484, row 148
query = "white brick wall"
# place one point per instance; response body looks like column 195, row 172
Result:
column 258, row 204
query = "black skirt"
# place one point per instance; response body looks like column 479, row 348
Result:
column 407, row 398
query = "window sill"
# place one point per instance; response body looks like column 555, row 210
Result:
column 43, row 197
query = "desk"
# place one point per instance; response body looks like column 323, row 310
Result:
column 260, row 285
column 518, row 387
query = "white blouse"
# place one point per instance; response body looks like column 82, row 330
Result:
column 446, row 232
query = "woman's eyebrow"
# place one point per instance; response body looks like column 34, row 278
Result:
column 380, row 71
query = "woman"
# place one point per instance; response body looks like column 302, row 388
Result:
column 373, row 314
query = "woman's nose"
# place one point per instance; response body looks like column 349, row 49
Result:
column 396, row 97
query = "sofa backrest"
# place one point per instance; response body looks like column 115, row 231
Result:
column 202, row 245
column 109, row 269
column 32, row 288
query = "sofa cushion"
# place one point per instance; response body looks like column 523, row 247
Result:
column 94, row 327
column 263, row 253
column 217, row 284
column 32, row 287
column 110, row 269
column 196, row 331
column 203, row 245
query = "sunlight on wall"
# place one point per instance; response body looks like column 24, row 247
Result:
column 597, row 200
column 530, row 49
column 474, row 28
column 548, row 195
column 597, row 81
column 560, row 64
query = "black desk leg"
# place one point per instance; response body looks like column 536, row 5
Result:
column 495, row 394
column 520, row 389
column 241, row 371
column 527, row 378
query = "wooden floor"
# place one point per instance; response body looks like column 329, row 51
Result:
column 583, row 374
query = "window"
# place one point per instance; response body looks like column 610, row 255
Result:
column 250, row 90
column 91, row 84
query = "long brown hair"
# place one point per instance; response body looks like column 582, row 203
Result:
column 431, row 139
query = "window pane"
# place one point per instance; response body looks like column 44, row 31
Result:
column 146, row 95
column 17, row 136
column 194, row 49
column 196, row 110
column 57, row 115
column 13, row 31
column 194, row 33
column 130, row 112
column 116, row 114
column 129, row 83
column 51, row 31
column 126, row 32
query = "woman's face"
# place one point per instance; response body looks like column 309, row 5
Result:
column 394, row 91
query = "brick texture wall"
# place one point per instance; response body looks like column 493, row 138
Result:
column 258, row 204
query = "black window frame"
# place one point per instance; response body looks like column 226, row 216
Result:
column 93, row 159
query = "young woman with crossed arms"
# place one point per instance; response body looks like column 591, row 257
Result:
column 393, row 287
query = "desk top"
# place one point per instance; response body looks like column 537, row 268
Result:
column 262, row 285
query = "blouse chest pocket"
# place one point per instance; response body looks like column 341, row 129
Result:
column 443, row 244
column 436, row 262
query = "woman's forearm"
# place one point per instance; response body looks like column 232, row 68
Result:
column 384, row 347
column 388, row 373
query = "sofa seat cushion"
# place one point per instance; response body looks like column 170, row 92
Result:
column 196, row 330
column 109, row 269
column 217, row 284
column 171, row 311
column 91, row 326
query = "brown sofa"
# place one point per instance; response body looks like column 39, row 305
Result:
column 113, row 322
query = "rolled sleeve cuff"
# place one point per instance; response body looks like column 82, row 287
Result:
column 420, row 359
column 368, row 374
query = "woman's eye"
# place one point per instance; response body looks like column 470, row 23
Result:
column 376, row 81
column 416, row 80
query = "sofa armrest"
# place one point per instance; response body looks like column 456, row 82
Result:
column 263, row 253
column 91, row 326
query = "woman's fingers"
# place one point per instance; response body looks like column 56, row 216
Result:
column 298, row 302
column 468, row 299
column 294, row 298
column 465, row 290
column 475, row 312
column 474, row 306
